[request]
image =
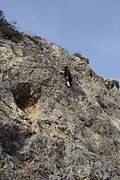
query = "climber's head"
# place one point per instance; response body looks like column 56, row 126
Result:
column 65, row 67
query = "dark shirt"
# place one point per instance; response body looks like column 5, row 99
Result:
column 67, row 75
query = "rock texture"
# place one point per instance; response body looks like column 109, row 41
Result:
column 49, row 131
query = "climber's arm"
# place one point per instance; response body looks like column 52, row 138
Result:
column 62, row 72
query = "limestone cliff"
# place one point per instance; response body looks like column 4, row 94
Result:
column 49, row 131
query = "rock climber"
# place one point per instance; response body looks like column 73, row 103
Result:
column 67, row 76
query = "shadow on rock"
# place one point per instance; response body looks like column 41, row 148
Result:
column 77, row 90
column 11, row 139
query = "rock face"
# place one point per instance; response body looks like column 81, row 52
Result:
column 49, row 131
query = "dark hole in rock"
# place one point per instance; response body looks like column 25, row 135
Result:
column 89, row 122
column 24, row 97
column 91, row 73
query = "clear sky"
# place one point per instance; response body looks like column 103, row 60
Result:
column 91, row 27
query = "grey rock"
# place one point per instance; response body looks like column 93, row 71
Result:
column 111, row 83
column 49, row 131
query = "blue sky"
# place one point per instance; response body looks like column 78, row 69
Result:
column 91, row 27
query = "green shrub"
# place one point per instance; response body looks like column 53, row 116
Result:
column 8, row 30
column 78, row 54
